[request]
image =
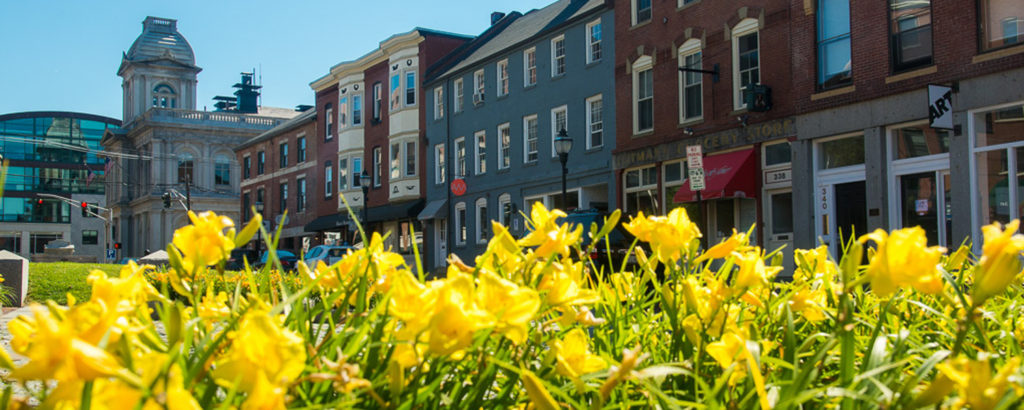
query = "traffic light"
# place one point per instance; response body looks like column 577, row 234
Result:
column 117, row 245
column 85, row 209
column 167, row 199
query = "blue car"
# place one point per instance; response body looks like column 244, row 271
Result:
column 287, row 259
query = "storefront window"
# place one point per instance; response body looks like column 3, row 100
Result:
column 997, row 202
column 841, row 152
column 919, row 141
column 642, row 191
column 777, row 154
column 920, row 171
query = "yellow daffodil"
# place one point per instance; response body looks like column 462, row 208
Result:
column 671, row 238
column 512, row 306
column 903, row 259
column 977, row 388
column 1000, row 260
column 726, row 247
column 207, row 241
column 260, row 348
column 573, row 357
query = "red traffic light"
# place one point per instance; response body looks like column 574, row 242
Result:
column 85, row 205
column 117, row 245
column 39, row 201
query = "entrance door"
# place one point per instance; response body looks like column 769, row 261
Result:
column 924, row 200
column 779, row 224
column 842, row 212
column 441, row 238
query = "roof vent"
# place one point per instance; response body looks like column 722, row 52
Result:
column 496, row 16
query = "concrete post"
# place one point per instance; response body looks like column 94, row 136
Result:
column 14, row 270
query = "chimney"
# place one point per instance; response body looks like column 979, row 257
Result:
column 496, row 16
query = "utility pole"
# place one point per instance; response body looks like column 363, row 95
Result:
column 188, row 193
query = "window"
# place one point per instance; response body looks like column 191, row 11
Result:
column 396, row 161
column 396, row 91
column 164, row 97
column 342, row 174
column 329, row 123
column 438, row 103
column 641, row 11
column 439, row 170
column 481, row 152
column 997, row 165
column 691, row 92
column 833, row 43
column 595, row 122
column 910, row 25
column 482, row 225
column 90, row 237
column 377, row 90
column 502, row 77
column 284, row 197
column 301, row 143
column 410, row 88
column 460, row 223
column 594, row 42
column 185, row 168
column 460, row 157
column 505, row 211
column 410, row 158
column 505, row 149
column 641, row 190
column 841, row 152
column 558, row 56
column 919, row 141
column 378, row 166
column 457, row 105
column 260, row 195
column 478, row 86
column 357, row 110
column 1001, row 24
column 246, row 167
column 357, row 171
column 300, row 196
column 530, row 138
column 343, row 112
column 529, row 67
column 261, row 159
column 329, row 178
column 222, row 170
column 559, row 122
column 643, row 95
column 746, row 60
column 246, row 206
column 283, row 153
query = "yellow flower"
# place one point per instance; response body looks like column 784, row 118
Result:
column 809, row 303
column 511, row 306
column 976, row 387
column 55, row 352
column 726, row 350
column 214, row 308
column 125, row 293
column 503, row 254
column 752, row 270
column 261, row 348
column 456, row 317
column 542, row 221
column 671, row 238
column 205, row 242
column 573, row 357
column 562, row 285
column 1000, row 260
column 815, row 264
column 903, row 259
column 726, row 247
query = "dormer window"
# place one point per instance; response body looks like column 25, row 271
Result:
column 164, row 97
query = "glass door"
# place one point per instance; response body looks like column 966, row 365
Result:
column 924, row 200
column 779, row 221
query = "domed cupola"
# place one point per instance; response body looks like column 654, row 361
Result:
column 159, row 70
column 160, row 40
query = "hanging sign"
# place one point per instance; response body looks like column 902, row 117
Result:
column 940, row 107
column 459, row 187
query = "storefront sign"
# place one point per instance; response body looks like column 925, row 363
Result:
column 459, row 187
column 940, row 107
column 778, row 177
column 696, row 178
column 735, row 137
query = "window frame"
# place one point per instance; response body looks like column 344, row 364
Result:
column 328, row 180
column 221, row 162
column 357, row 110
column 641, row 65
column 461, row 234
column 896, row 41
column 984, row 45
column 282, row 189
column 300, row 194
column 527, row 139
column 479, row 86
column 378, row 108
column 690, row 48
column 282, row 153
column 504, row 137
column 261, row 162
column 439, row 164
column 481, row 220
column 635, row 12
column 343, row 109
column 744, row 28
column 378, row 166
column 589, row 105
column 505, row 200
column 480, row 152
column 328, row 123
column 461, row 167
column 395, row 162
column 460, row 95
column 410, row 90
column 641, row 186
column 530, row 71
column 592, row 43
column 821, row 44
column 558, row 60
column 343, row 172
column 186, row 162
column 246, row 167
column 554, row 125
column 503, row 79
column 438, row 102
column 300, row 144
column 410, row 157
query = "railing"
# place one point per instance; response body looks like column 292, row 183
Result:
column 209, row 117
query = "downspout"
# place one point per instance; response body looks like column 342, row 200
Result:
column 449, row 168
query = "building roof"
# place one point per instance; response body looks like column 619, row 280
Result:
column 299, row 120
column 160, row 39
column 529, row 25
column 278, row 112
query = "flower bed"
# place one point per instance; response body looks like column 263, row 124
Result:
column 528, row 324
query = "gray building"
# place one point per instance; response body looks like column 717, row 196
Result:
column 493, row 109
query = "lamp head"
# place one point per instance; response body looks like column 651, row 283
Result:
column 563, row 144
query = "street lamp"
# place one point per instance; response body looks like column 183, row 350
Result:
column 563, row 144
column 364, row 180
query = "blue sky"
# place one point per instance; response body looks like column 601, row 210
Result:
column 63, row 55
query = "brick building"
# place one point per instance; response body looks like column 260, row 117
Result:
column 280, row 173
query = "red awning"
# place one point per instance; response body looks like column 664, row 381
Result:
column 729, row 175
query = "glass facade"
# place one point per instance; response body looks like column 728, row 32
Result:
column 54, row 153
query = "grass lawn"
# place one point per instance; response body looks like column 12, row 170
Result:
column 54, row 280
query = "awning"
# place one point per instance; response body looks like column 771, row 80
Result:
column 437, row 208
column 392, row 212
column 326, row 222
column 729, row 175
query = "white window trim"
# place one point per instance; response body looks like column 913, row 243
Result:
column 438, row 103
column 666, row 185
column 502, row 200
column 641, row 64
column 554, row 132
column 973, row 167
column 439, row 164
column 455, row 156
column 526, row 138
column 405, row 87
column 689, row 48
column 589, row 43
column 501, row 148
column 554, row 74
column 633, row 10
column 357, row 120
column 459, row 95
column 502, row 90
column 406, row 155
column 479, row 84
column 330, row 124
column 329, row 181
column 900, row 167
column 476, row 153
column 526, row 66
column 587, row 105
column 626, row 190
column 480, row 203
column 745, row 27
column 459, row 224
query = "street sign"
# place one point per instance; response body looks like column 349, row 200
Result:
column 459, row 187
column 694, row 157
column 696, row 178
column 111, row 254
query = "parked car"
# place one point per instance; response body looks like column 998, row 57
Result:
column 617, row 245
column 329, row 254
column 287, row 259
column 236, row 261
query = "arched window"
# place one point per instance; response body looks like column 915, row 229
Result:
column 185, row 168
column 222, row 170
column 164, row 97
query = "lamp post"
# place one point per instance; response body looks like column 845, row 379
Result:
column 364, row 180
column 563, row 144
column 259, row 210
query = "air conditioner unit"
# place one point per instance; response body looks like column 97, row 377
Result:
column 478, row 98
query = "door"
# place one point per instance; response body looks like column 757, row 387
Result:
column 779, row 224
column 441, row 238
column 924, row 200
column 841, row 212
